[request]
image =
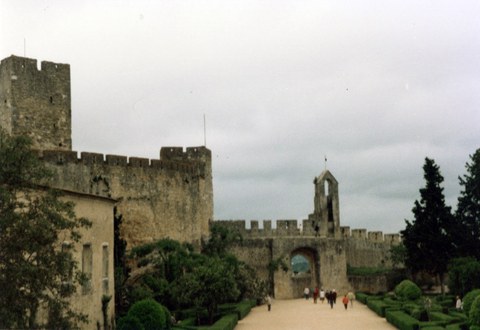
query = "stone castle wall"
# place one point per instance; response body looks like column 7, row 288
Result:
column 36, row 103
column 167, row 197
column 328, row 256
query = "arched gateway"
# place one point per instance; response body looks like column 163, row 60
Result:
column 317, row 254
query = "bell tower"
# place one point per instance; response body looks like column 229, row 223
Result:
column 325, row 218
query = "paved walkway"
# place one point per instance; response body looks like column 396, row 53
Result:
column 301, row 314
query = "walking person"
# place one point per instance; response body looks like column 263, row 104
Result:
column 334, row 296
column 322, row 295
column 351, row 297
column 306, row 293
column 315, row 295
column 330, row 298
column 268, row 300
column 345, row 301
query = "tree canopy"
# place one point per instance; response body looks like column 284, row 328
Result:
column 427, row 240
column 468, row 209
column 36, row 270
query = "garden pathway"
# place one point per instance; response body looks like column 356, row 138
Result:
column 301, row 314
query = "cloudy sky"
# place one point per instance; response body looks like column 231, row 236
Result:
column 376, row 86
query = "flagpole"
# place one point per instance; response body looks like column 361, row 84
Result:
column 204, row 131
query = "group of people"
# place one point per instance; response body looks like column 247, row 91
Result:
column 330, row 295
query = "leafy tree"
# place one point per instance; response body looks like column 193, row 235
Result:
column 397, row 256
column 220, row 239
column 468, row 209
column 427, row 239
column 211, row 283
column 464, row 275
column 34, row 269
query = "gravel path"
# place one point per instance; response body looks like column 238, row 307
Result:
column 301, row 314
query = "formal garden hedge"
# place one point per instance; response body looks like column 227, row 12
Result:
column 426, row 312
column 230, row 314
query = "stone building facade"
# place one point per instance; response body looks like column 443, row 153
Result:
column 327, row 247
column 167, row 197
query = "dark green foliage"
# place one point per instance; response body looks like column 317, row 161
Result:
column 464, row 275
column 151, row 314
column 401, row 320
column 398, row 256
column 367, row 271
column 468, row 300
column 438, row 316
column 227, row 322
column 129, row 322
column 220, row 239
column 362, row 297
column 211, row 283
column 35, row 271
column 378, row 306
column 429, row 233
column 474, row 312
column 468, row 210
column 407, row 290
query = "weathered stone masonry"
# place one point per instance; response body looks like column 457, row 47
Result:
column 327, row 246
column 167, row 197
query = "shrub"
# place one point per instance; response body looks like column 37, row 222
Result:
column 362, row 297
column 468, row 300
column 378, row 306
column 407, row 290
column 227, row 322
column 151, row 314
column 474, row 313
column 129, row 322
column 457, row 326
column 401, row 320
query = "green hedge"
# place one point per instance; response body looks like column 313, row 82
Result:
column 362, row 297
column 437, row 316
column 433, row 327
column 378, row 306
column 456, row 326
column 227, row 322
column 244, row 308
column 401, row 320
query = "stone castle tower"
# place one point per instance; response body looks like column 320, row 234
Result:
column 325, row 218
column 36, row 103
column 167, row 197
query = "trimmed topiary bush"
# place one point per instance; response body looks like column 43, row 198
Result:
column 468, row 300
column 129, row 323
column 150, row 313
column 407, row 290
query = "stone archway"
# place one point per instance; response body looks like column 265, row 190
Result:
column 304, row 271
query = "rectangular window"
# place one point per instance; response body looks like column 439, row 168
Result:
column 87, row 265
column 105, row 268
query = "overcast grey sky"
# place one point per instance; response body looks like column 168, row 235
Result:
column 376, row 86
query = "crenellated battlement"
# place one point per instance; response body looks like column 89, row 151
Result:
column 19, row 66
column 290, row 228
column 36, row 102
column 192, row 161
